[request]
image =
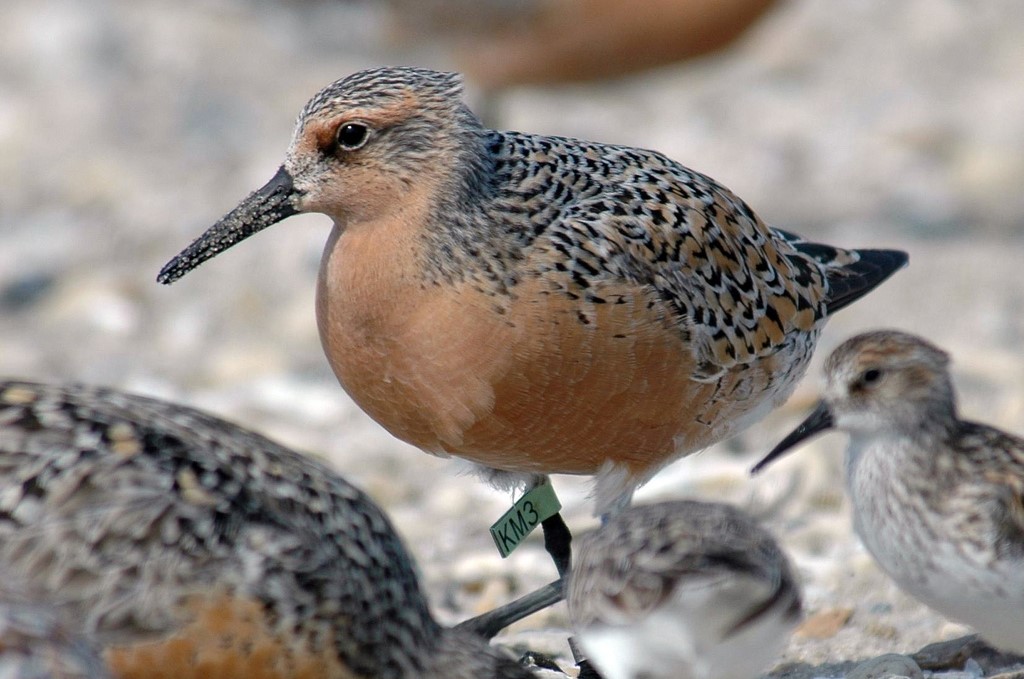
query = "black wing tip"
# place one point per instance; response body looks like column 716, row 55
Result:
column 872, row 268
column 890, row 261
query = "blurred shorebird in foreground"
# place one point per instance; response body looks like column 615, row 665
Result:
column 681, row 590
column 184, row 546
column 938, row 501
column 36, row 643
column 540, row 305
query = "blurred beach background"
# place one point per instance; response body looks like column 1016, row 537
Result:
column 129, row 126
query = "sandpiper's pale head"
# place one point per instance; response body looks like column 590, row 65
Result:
column 887, row 380
column 880, row 382
column 363, row 147
column 366, row 143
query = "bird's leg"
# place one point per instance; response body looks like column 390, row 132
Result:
column 558, row 542
column 587, row 670
column 540, row 502
column 490, row 623
column 557, row 538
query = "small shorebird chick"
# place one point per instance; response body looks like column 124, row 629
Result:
column 184, row 546
column 681, row 590
column 534, row 304
column 938, row 501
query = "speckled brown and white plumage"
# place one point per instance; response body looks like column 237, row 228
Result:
column 35, row 643
column 540, row 304
column 938, row 501
column 681, row 590
column 186, row 546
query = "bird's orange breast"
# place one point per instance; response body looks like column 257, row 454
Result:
column 227, row 638
column 534, row 382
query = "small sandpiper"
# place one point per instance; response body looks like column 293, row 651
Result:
column 938, row 501
column 681, row 589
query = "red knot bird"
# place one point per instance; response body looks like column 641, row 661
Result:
column 681, row 590
column 538, row 304
column 184, row 546
column 938, row 501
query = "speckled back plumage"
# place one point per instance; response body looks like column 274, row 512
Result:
column 602, row 216
column 600, row 225
column 139, row 519
column 35, row 643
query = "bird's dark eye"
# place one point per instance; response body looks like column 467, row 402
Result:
column 351, row 136
column 870, row 376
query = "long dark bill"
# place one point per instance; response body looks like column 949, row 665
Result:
column 261, row 208
column 818, row 421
